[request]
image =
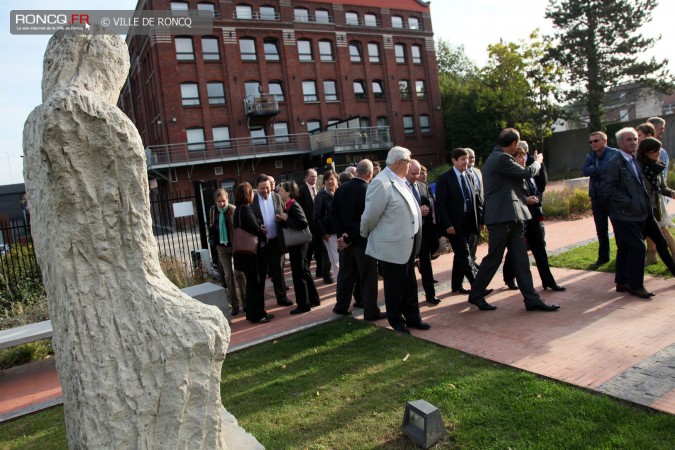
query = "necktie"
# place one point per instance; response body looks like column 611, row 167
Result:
column 468, row 203
column 313, row 192
column 415, row 193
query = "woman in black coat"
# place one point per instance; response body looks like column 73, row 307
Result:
column 534, row 234
column 252, row 265
column 306, row 294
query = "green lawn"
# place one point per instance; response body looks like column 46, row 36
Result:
column 582, row 257
column 344, row 385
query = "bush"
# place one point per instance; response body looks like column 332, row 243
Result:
column 565, row 203
column 25, row 304
column 180, row 273
column 23, row 354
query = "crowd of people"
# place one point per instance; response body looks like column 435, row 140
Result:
column 369, row 222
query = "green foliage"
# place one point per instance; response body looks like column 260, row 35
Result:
column 179, row 273
column 18, row 265
column 25, row 304
column 565, row 203
column 598, row 44
column 433, row 175
column 25, row 353
column 453, row 61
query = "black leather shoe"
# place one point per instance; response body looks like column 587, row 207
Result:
column 342, row 313
column 401, row 328
column 488, row 292
column 285, row 302
column 328, row 280
column 433, row 300
column 235, row 311
column 622, row 288
column 316, row 303
column 421, row 325
column 379, row 316
column 555, row 287
column 300, row 310
column 642, row 293
column 358, row 305
column 481, row 304
column 541, row 306
column 435, row 281
column 599, row 262
column 512, row 285
column 461, row 291
column 265, row 319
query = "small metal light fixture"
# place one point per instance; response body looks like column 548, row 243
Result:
column 422, row 423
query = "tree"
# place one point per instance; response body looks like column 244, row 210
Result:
column 453, row 61
column 599, row 46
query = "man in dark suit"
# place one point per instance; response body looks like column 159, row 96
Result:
column 308, row 191
column 505, row 212
column 266, row 205
column 475, row 176
column 629, row 208
column 356, row 268
column 423, row 196
column 392, row 222
column 458, row 215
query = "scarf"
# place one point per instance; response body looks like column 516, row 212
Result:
column 221, row 224
column 651, row 170
column 289, row 203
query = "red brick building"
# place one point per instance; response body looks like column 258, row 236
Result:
column 279, row 86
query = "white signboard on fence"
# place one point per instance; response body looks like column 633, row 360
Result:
column 183, row 209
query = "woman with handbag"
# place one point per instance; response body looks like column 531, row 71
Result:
column 322, row 222
column 221, row 233
column 246, row 254
column 294, row 221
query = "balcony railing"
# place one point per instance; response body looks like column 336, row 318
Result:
column 344, row 140
column 187, row 154
column 261, row 105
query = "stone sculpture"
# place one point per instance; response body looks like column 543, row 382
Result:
column 139, row 361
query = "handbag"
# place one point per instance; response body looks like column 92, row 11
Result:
column 243, row 242
column 294, row 237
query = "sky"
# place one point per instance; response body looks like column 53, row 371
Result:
column 474, row 25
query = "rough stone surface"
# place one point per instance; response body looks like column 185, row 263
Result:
column 139, row 361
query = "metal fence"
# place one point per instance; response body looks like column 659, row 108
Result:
column 177, row 224
column 17, row 257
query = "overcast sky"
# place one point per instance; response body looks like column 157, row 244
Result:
column 475, row 25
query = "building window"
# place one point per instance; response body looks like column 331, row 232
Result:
column 370, row 20
column 247, row 49
column 404, row 88
column 416, row 51
column 396, row 22
column 331, row 122
column 408, row 125
column 189, row 93
column 301, row 15
column 364, row 122
column 399, row 50
column 210, row 49
column 420, row 90
column 383, row 129
column 351, row 18
column 330, row 91
column 374, row 52
column 179, row 9
column 281, row 132
column 268, row 13
column 378, row 89
column 258, row 136
column 252, row 89
column 271, row 47
column 413, row 23
column 215, row 92
column 424, row 124
column 206, row 9
column 243, row 12
column 325, row 51
column 195, row 139
column 309, row 91
column 184, row 49
column 322, row 16
column 305, row 50
column 355, row 51
column 221, row 137
column 360, row 90
column 313, row 126
column 276, row 89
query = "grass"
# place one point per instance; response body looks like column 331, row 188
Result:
column 25, row 353
column 343, row 385
column 582, row 257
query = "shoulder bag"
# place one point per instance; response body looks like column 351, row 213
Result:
column 293, row 236
column 243, row 242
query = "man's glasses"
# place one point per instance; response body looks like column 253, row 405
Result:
column 594, row 141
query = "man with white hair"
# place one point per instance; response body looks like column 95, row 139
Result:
column 392, row 223
column 629, row 208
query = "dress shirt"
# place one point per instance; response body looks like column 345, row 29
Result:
column 461, row 179
column 267, row 211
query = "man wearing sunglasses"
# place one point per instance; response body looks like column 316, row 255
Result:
column 594, row 167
